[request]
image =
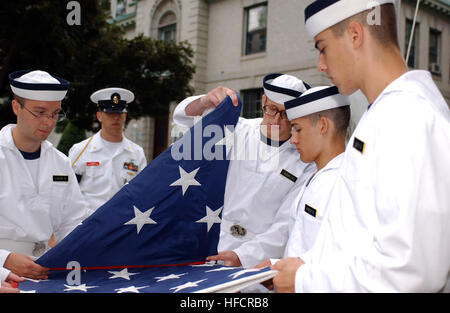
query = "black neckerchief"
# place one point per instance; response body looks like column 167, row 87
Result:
column 271, row 142
column 31, row 155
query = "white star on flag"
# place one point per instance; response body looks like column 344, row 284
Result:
column 140, row 219
column 211, row 217
column 209, row 263
column 35, row 280
column 82, row 287
column 250, row 270
column 121, row 274
column 225, row 268
column 227, row 140
column 186, row 179
column 130, row 289
column 171, row 276
column 189, row 284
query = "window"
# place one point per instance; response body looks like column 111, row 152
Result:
column 121, row 8
column 434, row 52
column 255, row 29
column 167, row 27
column 413, row 55
column 251, row 103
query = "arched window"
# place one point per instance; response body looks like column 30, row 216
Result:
column 167, row 27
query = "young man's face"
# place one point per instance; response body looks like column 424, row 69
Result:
column 36, row 119
column 336, row 60
column 306, row 138
column 112, row 122
column 278, row 126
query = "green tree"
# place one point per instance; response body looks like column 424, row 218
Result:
column 34, row 34
column 71, row 135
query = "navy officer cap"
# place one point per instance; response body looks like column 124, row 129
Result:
column 112, row 100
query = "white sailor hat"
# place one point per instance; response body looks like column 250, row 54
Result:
column 314, row 100
column 112, row 100
column 280, row 88
column 322, row 14
column 38, row 85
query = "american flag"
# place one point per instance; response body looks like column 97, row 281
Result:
column 201, row 278
column 158, row 225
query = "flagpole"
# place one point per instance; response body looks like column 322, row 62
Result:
column 412, row 32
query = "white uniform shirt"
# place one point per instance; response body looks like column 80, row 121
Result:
column 4, row 274
column 388, row 227
column 254, row 191
column 3, row 271
column 31, row 213
column 104, row 174
column 312, row 208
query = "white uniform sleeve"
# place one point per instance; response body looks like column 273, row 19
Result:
column 272, row 243
column 75, row 210
column 142, row 160
column 73, row 154
column 269, row 244
column 3, row 255
column 179, row 114
column 409, row 250
column 4, row 273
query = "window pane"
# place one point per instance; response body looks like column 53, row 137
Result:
column 435, row 37
column 257, row 18
column 121, row 8
column 255, row 29
column 251, row 103
column 167, row 28
column 167, row 33
column 412, row 61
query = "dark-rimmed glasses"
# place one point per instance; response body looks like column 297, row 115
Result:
column 272, row 110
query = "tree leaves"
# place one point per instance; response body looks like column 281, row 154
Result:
column 34, row 35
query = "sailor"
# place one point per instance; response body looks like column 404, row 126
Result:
column 108, row 160
column 39, row 195
column 387, row 227
column 319, row 120
column 263, row 169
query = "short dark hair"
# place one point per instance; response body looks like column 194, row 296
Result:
column 385, row 32
column 19, row 99
column 339, row 116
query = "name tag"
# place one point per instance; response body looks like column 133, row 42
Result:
column 358, row 145
column 62, row 178
column 92, row 163
column 310, row 210
column 289, row 176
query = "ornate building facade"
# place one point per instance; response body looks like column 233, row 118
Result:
column 238, row 42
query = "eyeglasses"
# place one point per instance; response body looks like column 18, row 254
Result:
column 272, row 110
column 57, row 116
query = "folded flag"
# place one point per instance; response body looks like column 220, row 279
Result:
column 175, row 279
column 155, row 233
column 169, row 214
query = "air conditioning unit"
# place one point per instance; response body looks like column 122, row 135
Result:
column 435, row 68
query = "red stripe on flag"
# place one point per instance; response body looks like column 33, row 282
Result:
column 125, row 266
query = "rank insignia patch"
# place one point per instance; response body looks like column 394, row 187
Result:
column 310, row 210
column 359, row 145
column 289, row 176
